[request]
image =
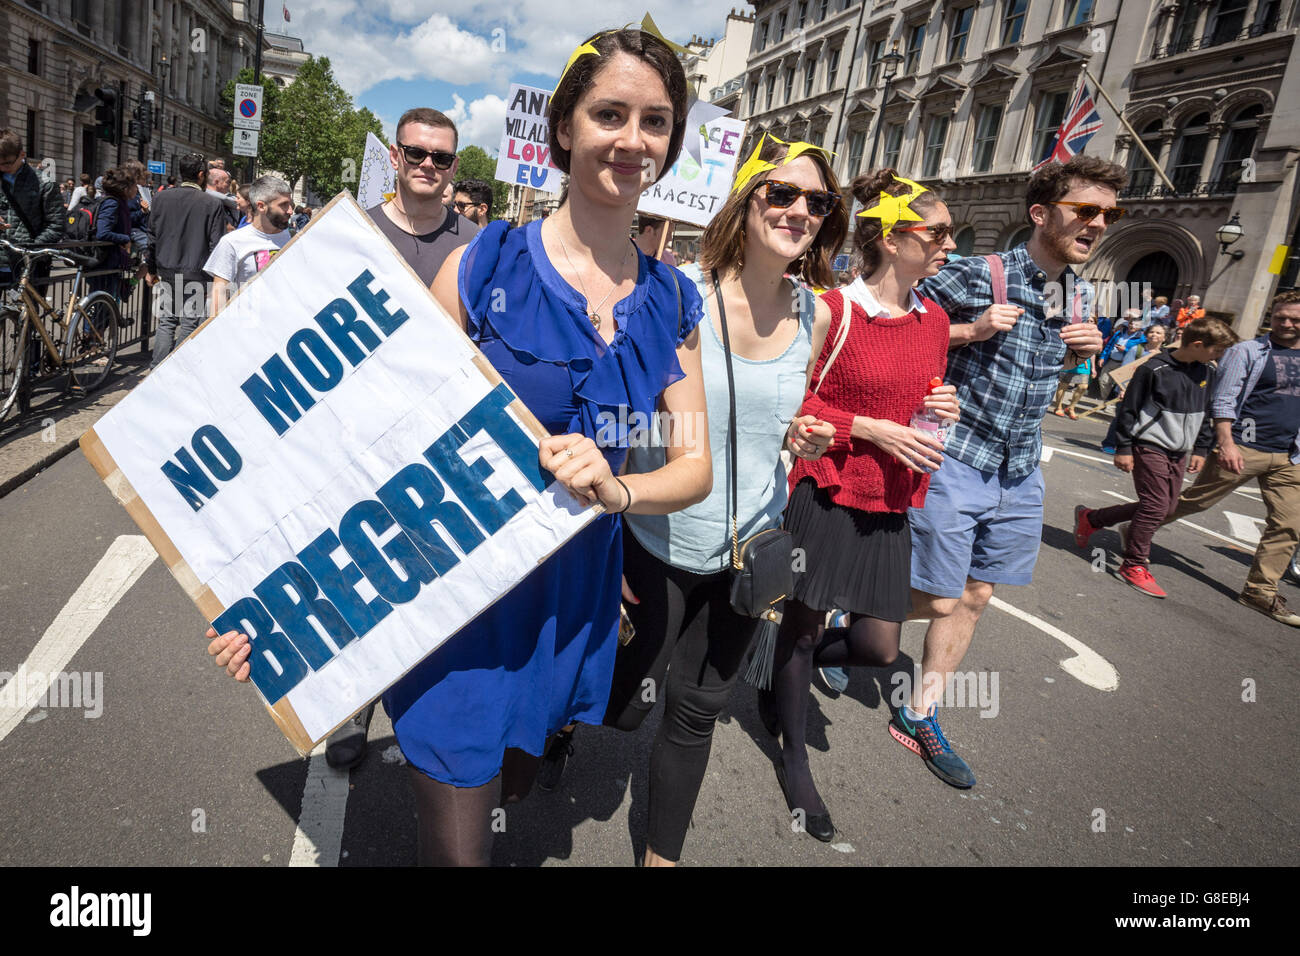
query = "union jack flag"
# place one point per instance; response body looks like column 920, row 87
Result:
column 1081, row 123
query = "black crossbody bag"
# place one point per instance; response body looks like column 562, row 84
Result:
column 762, row 567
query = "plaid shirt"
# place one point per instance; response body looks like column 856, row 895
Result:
column 1005, row 383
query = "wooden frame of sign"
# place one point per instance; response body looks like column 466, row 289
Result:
column 208, row 604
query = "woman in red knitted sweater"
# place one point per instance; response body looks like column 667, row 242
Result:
column 848, row 510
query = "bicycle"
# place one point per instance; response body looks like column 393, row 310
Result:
column 82, row 341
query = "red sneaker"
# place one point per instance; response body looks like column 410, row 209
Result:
column 1083, row 529
column 1139, row 577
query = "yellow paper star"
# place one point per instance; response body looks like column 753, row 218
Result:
column 753, row 166
column 587, row 49
column 891, row 210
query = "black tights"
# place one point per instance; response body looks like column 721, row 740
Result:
column 457, row 823
column 802, row 644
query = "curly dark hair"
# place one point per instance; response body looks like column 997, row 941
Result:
column 1053, row 181
column 582, row 76
column 118, row 182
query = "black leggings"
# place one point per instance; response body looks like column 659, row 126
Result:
column 685, row 627
column 456, row 824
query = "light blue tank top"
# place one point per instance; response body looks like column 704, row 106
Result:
column 768, row 396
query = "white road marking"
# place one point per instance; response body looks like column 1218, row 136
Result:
column 1046, row 454
column 1213, row 534
column 1077, row 454
column 1244, row 527
column 319, row 835
column 1248, row 493
column 106, row 584
column 1087, row 666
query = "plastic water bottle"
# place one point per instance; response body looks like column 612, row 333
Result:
column 927, row 421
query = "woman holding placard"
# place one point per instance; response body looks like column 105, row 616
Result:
column 584, row 329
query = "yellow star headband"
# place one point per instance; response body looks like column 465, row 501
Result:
column 754, row 165
column 588, row 48
column 891, row 210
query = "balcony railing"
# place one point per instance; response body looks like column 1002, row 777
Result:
column 1221, row 187
column 1216, row 38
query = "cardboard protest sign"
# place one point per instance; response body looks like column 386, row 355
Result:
column 525, row 155
column 378, row 178
column 331, row 466
column 694, row 192
column 1124, row 374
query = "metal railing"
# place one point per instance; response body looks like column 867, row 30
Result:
column 1216, row 38
column 1221, row 187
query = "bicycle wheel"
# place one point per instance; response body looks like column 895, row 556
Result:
column 13, row 361
column 92, row 342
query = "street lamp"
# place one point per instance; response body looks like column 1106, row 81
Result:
column 1229, row 233
column 164, row 67
column 891, row 61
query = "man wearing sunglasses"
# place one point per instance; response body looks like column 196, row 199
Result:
column 473, row 200
column 424, row 232
column 983, row 517
column 415, row 220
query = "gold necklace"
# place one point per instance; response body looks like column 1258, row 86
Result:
column 594, row 315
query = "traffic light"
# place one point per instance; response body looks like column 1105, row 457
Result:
column 140, row 126
column 107, row 115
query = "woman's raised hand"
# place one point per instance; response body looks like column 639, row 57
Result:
column 577, row 463
column 231, row 651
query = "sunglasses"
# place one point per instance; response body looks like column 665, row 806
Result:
column 1088, row 211
column 416, row 156
column 783, row 195
column 937, row 233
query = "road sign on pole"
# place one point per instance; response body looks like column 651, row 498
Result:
column 248, row 106
column 157, row 168
column 245, row 142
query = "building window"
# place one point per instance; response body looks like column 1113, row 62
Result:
column 961, row 21
column 803, row 13
column 762, row 34
column 34, row 57
column 1239, row 144
column 986, row 136
column 1267, row 20
column 822, row 8
column 1051, row 110
column 771, row 89
column 753, row 97
column 857, row 145
column 935, row 138
column 1076, row 12
column 875, row 50
column 965, row 239
column 1189, row 152
column 1013, row 20
column 780, row 27
column 789, row 84
column 817, row 137
column 915, row 41
column 1141, row 174
column 832, row 67
column 32, row 144
column 809, row 73
column 893, row 144
column 1184, row 33
column 1227, row 20
column 81, row 11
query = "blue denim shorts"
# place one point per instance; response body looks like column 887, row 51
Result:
column 978, row 525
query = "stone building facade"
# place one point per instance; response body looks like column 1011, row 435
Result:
column 55, row 54
column 982, row 85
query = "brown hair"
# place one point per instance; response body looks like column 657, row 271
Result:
column 1053, row 181
column 135, row 168
column 866, row 190
column 11, row 144
column 723, row 244
column 1159, row 300
column 1289, row 297
column 582, row 76
column 426, row 116
column 1212, row 332
column 118, row 182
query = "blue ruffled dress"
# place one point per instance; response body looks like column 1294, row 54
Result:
column 543, row 655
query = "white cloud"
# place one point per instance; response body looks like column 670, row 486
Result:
column 479, row 122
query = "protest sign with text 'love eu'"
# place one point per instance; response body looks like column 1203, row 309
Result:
column 332, row 467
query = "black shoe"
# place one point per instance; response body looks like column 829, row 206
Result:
column 816, row 825
column 347, row 745
column 557, row 755
column 767, row 712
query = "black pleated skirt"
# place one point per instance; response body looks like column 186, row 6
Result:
column 851, row 560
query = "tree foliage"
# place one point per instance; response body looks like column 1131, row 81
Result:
column 310, row 129
column 475, row 163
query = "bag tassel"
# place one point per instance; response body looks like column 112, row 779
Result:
column 761, row 664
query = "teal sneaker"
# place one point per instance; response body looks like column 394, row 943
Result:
column 925, row 739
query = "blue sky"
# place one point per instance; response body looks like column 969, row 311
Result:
column 395, row 54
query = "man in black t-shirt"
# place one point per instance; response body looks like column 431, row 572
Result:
column 1256, row 409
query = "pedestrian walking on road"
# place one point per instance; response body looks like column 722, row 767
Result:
column 1164, row 417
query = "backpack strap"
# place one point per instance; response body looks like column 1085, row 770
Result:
column 842, row 336
column 998, row 278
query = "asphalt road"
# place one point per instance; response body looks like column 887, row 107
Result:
column 183, row 767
